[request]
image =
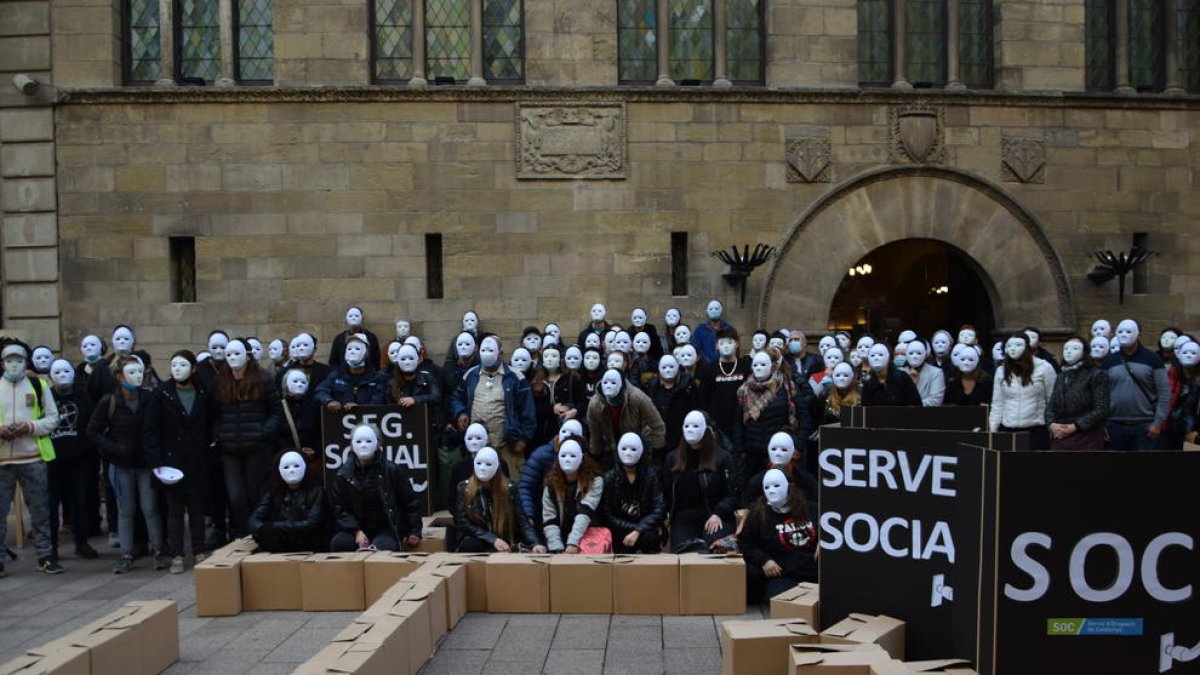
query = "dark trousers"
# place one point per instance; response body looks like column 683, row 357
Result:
column 91, row 491
column 687, row 531
column 189, row 502
column 244, row 476
column 1130, row 436
column 67, row 483
column 474, row 545
column 110, row 502
column 1039, row 436
column 382, row 540
column 760, row 588
column 216, row 503
column 272, row 540
column 648, row 542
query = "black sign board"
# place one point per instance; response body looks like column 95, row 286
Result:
column 403, row 438
column 960, row 418
column 1095, row 565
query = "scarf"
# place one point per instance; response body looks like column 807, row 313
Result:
column 754, row 396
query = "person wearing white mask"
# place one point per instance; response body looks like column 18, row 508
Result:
column 465, row 357
column 886, row 384
column 178, row 432
column 209, row 369
column 673, row 393
column 644, row 362
column 568, row 395
column 782, row 455
column 1139, row 392
column 489, row 516
column 968, row 383
column 533, row 476
column 1098, row 349
column 704, row 337
column 598, row 325
column 1078, row 406
column 68, row 473
column 116, row 429
column 301, row 428
column 373, row 502
column 355, row 381
column 292, row 515
column 930, row 380
column 1022, row 389
column 256, row 349
column 475, row 438
column 1166, row 344
column 94, row 371
column 302, row 349
column 409, row 385
column 779, row 539
column 940, row 347
column 633, row 504
column 843, row 391
column 571, row 498
column 671, row 321
column 700, row 483
column 769, row 402
column 821, row 380
column 1039, row 350
column 500, row 398
column 591, row 371
column 277, row 352
column 1186, row 417
column 617, row 409
column 639, row 322
column 718, row 382
column 354, row 325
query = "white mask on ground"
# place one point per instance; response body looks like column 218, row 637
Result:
column 843, row 375
column 292, row 468
column 364, row 442
column 775, row 489
column 407, row 359
column 236, row 355
column 181, row 369
column 761, row 366
column 630, row 449
column 878, row 357
column 781, row 449
column 464, row 345
column 570, row 456
column 62, row 374
column 521, row 360
column 487, row 463
column 1127, row 333
column 354, row 317
column 296, row 382
column 694, row 426
column 475, row 438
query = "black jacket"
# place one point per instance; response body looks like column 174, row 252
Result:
column 980, row 395
column 306, row 414
column 752, row 438
column 673, row 404
column 1080, row 397
column 400, row 502
column 474, row 519
column 116, row 430
column 175, row 437
column 640, row 506
column 423, row 387
column 718, row 489
column 768, row 535
column 244, row 427
column 366, row 388
column 800, row 477
column 897, row 391
column 99, row 381
column 70, row 437
column 299, row 514
column 316, row 371
column 337, row 351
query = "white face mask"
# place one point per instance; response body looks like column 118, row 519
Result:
column 489, row 353
column 364, row 442
column 591, row 360
column 967, row 336
column 574, row 357
column 683, row 335
column 714, row 310
column 62, row 374
column 521, row 360
column 1166, row 341
column 570, row 456
column 407, row 359
column 1127, row 333
column 550, row 360
column 464, row 345
column 941, row 343
column 598, row 313
column 570, row 428
column 609, row 340
column 354, row 317
column 90, row 348
column 761, row 366
column 1014, row 348
column 864, row 347
column 1098, row 348
column 256, row 349
column 843, row 341
column 235, row 355
column 296, row 382
column 135, row 374
column 611, row 384
column 998, row 352
column 216, row 346
column 393, row 351
column 968, row 360
column 671, row 317
column 122, row 339
column 826, row 343
column 181, row 369
column 592, row 341
column 356, row 354
column 475, row 438
column 843, row 375
column 694, row 426
column 668, row 367
column 616, row 361
column 623, row 342
column 1072, row 352
column 1034, row 339
column 532, row 342
column 1189, row 355
column 414, row 341
column 552, row 329
column 638, row 318
column 781, row 449
column 14, row 367
column 775, row 489
column 641, row 343
column 470, row 322
column 630, row 449
column 916, row 354
column 1101, row 328
column 303, row 347
column 403, row 329
column 292, row 468
column 832, row 358
column 776, row 342
column 905, row 337
column 1180, row 342
column 726, row 346
column 855, row 359
column 758, row 342
column 878, row 357
column 43, row 357
column 487, row 463
column 687, row 356
column 275, row 350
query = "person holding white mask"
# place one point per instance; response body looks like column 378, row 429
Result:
column 779, row 539
column 292, row 514
column 1022, row 390
column 700, row 482
column 489, row 516
column 1078, row 406
column 373, row 501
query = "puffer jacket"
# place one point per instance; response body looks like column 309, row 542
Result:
column 298, row 513
column 401, row 504
column 1080, row 397
column 639, row 506
column 244, row 427
column 116, row 430
column 638, row 415
column 1017, row 406
column 718, row 489
column 672, row 404
column 474, row 519
column 369, row 387
column 533, row 480
column 175, row 437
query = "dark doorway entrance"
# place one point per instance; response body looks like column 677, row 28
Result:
column 918, row 284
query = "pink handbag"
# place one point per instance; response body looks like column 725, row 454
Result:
column 596, row 540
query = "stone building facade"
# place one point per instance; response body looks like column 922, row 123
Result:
column 322, row 189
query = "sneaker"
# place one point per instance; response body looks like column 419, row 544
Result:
column 85, row 550
column 161, row 560
column 177, row 565
column 124, row 564
column 113, row 541
column 50, row 566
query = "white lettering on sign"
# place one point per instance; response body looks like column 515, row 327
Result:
column 397, row 444
column 891, row 469
column 862, row 533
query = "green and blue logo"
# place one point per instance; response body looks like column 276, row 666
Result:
column 1093, row 627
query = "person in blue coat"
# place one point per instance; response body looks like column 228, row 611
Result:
column 533, row 478
column 499, row 398
column 704, row 338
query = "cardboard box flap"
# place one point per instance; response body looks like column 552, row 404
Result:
column 939, row 666
column 805, row 589
column 21, row 664
column 866, row 627
column 354, row 631
column 768, row 628
column 814, row 654
column 341, row 557
column 520, row 559
column 62, row 659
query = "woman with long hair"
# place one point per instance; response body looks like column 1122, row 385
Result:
column 779, row 539
column 1022, row 391
column 571, row 498
column 1078, row 407
column 489, row 516
column 842, row 392
column 969, row 384
column 769, row 403
column 701, row 487
column 248, row 417
column 292, row 514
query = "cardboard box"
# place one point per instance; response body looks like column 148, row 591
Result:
column 62, row 660
column 219, row 587
column 433, row 540
column 863, row 628
column 801, row 602
column 333, row 582
column 383, row 569
column 386, row 635
column 344, row 658
column 761, row 647
column 271, row 581
column 518, row 583
column 646, row 584
column 431, row 590
column 245, row 546
column 138, row 638
column 409, row 601
column 581, row 584
column 938, row 667
column 455, row 574
column 158, row 621
column 829, row 659
column 712, row 584
column 390, row 598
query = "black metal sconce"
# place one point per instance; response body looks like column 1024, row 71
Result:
column 1118, row 265
column 742, row 263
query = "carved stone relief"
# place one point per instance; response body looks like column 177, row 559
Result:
column 1022, row 160
column 571, row 141
column 917, row 132
column 809, row 160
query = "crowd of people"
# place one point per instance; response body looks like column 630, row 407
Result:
column 622, row 438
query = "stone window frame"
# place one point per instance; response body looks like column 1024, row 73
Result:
column 419, row 78
column 662, row 33
column 897, row 30
column 1119, row 61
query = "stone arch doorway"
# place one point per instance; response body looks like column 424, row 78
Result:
column 1019, row 269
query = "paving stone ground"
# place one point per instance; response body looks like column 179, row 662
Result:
column 36, row 608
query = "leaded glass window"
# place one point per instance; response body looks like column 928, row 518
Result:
column 447, row 39
column 637, row 40
column 1189, row 44
column 1146, row 56
column 744, row 48
column 143, row 41
column 392, row 50
column 691, row 40
column 874, row 42
column 199, row 40
column 975, row 42
column 255, row 41
column 925, row 42
column 1099, row 68
column 503, row 41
